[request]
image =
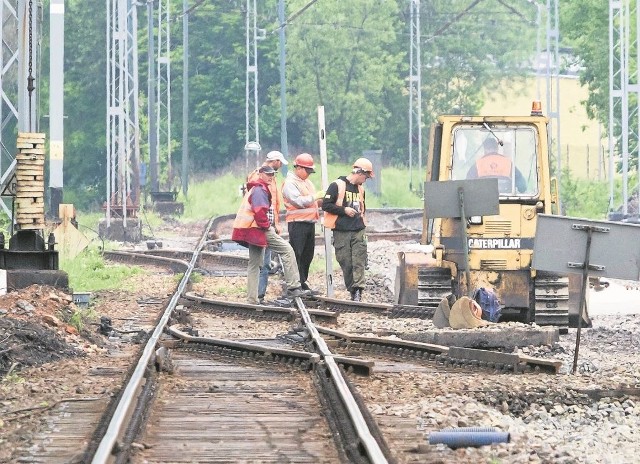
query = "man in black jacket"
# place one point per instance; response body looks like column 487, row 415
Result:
column 344, row 208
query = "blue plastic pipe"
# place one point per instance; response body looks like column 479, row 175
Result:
column 469, row 436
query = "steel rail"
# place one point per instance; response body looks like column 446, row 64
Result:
column 358, row 366
column 209, row 304
column 288, row 313
column 476, row 358
column 121, row 413
column 176, row 265
column 244, row 346
column 371, row 446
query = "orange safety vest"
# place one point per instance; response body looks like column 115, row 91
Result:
column 308, row 214
column 493, row 165
column 330, row 219
column 276, row 195
column 245, row 217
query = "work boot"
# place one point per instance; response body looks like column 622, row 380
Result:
column 305, row 286
column 297, row 292
column 357, row 294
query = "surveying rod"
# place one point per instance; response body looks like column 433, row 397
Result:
column 328, row 248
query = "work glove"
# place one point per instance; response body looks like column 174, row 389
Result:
column 320, row 195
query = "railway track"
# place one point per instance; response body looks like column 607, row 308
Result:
column 222, row 381
column 136, row 417
column 219, row 380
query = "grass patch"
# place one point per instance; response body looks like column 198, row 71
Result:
column 13, row 377
column 220, row 196
column 194, row 277
column 214, row 197
column 224, row 289
column 88, row 272
column 590, row 199
column 80, row 317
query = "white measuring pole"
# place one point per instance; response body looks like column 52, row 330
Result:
column 328, row 248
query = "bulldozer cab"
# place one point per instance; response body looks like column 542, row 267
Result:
column 515, row 151
column 506, row 152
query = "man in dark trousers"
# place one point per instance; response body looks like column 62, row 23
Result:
column 301, row 202
column 344, row 213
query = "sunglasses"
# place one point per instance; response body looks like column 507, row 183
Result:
column 270, row 174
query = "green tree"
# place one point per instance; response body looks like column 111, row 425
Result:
column 585, row 26
column 469, row 47
column 85, row 103
column 351, row 57
column 339, row 56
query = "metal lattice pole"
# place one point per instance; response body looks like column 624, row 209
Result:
column 553, row 82
column 252, row 132
column 185, row 97
column 122, row 118
column 415, row 93
column 164, row 85
column 623, row 83
column 133, row 109
column 18, row 59
column 284, row 143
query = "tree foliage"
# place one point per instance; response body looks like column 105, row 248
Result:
column 352, row 57
column 585, row 25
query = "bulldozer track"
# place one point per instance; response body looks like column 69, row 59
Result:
column 434, row 284
column 552, row 299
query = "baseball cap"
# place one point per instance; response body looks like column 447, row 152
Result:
column 267, row 169
column 276, row 156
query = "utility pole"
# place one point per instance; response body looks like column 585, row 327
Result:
column 151, row 104
column 185, row 97
column 553, row 82
column 56, row 106
column 164, row 85
column 415, row 94
column 284, row 144
column 122, row 106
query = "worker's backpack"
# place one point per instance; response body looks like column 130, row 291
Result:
column 489, row 303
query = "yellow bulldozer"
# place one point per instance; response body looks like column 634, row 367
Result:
column 516, row 151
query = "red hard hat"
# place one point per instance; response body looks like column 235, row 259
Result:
column 304, row 160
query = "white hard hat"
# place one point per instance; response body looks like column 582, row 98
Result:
column 275, row 155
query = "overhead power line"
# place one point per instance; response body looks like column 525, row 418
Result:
column 455, row 19
column 294, row 16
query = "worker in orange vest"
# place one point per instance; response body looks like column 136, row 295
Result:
column 276, row 160
column 301, row 203
column 494, row 164
column 253, row 227
column 344, row 213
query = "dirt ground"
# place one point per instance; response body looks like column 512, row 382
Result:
column 45, row 359
column 36, row 328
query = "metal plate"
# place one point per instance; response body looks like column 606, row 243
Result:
column 480, row 198
column 561, row 244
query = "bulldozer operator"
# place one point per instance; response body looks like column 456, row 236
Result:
column 494, row 164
